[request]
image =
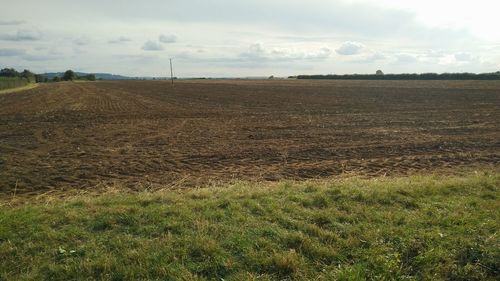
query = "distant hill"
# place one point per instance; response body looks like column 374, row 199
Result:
column 99, row 76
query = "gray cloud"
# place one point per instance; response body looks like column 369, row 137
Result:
column 9, row 52
column 120, row 40
column 82, row 41
column 360, row 19
column 171, row 38
column 349, row 48
column 330, row 16
column 297, row 36
column 34, row 58
column 152, row 46
column 11, row 22
column 22, row 35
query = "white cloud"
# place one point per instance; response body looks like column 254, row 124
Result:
column 464, row 57
column 434, row 53
column 479, row 16
column 152, row 46
column 406, row 58
column 320, row 54
column 255, row 51
column 171, row 38
column 119, row 40
column 369, row 57
column 349, row 48
column 258, row 52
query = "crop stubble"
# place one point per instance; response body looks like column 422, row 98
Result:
column 145, row 134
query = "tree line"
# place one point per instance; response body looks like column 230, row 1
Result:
column 69, row 75
column 25, row 74
column 406, row 76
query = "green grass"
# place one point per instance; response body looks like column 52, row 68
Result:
column 416, row 228
column 10, row 83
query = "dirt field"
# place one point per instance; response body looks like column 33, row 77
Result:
column 144, row 134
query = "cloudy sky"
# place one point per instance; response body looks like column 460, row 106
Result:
column 221, row 38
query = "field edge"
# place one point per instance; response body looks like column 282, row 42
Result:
column 19, row 89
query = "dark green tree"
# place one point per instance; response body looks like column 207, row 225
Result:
column 30, row 76
column 69, row 75
column 9, row 72
column 40, row 78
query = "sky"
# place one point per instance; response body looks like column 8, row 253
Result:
column 227, row 38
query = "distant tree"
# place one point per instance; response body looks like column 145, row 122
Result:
column 9, row 72
column 56, row 79
column 89, row 77
column 40, row 78
column 28, row 75
column 69, row 75
column 271, row 77
column 407, row 76
column 379, row 72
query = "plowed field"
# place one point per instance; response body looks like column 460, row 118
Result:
column 146, row 134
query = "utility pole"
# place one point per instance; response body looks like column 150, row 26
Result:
column 171, row 73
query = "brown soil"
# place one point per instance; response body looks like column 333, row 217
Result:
column 145, row 134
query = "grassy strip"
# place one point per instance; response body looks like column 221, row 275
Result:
column 12, row 82
column 417, row 228
column 20, row 88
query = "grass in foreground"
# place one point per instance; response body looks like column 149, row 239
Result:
column 20, row 88
column 417, row 228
